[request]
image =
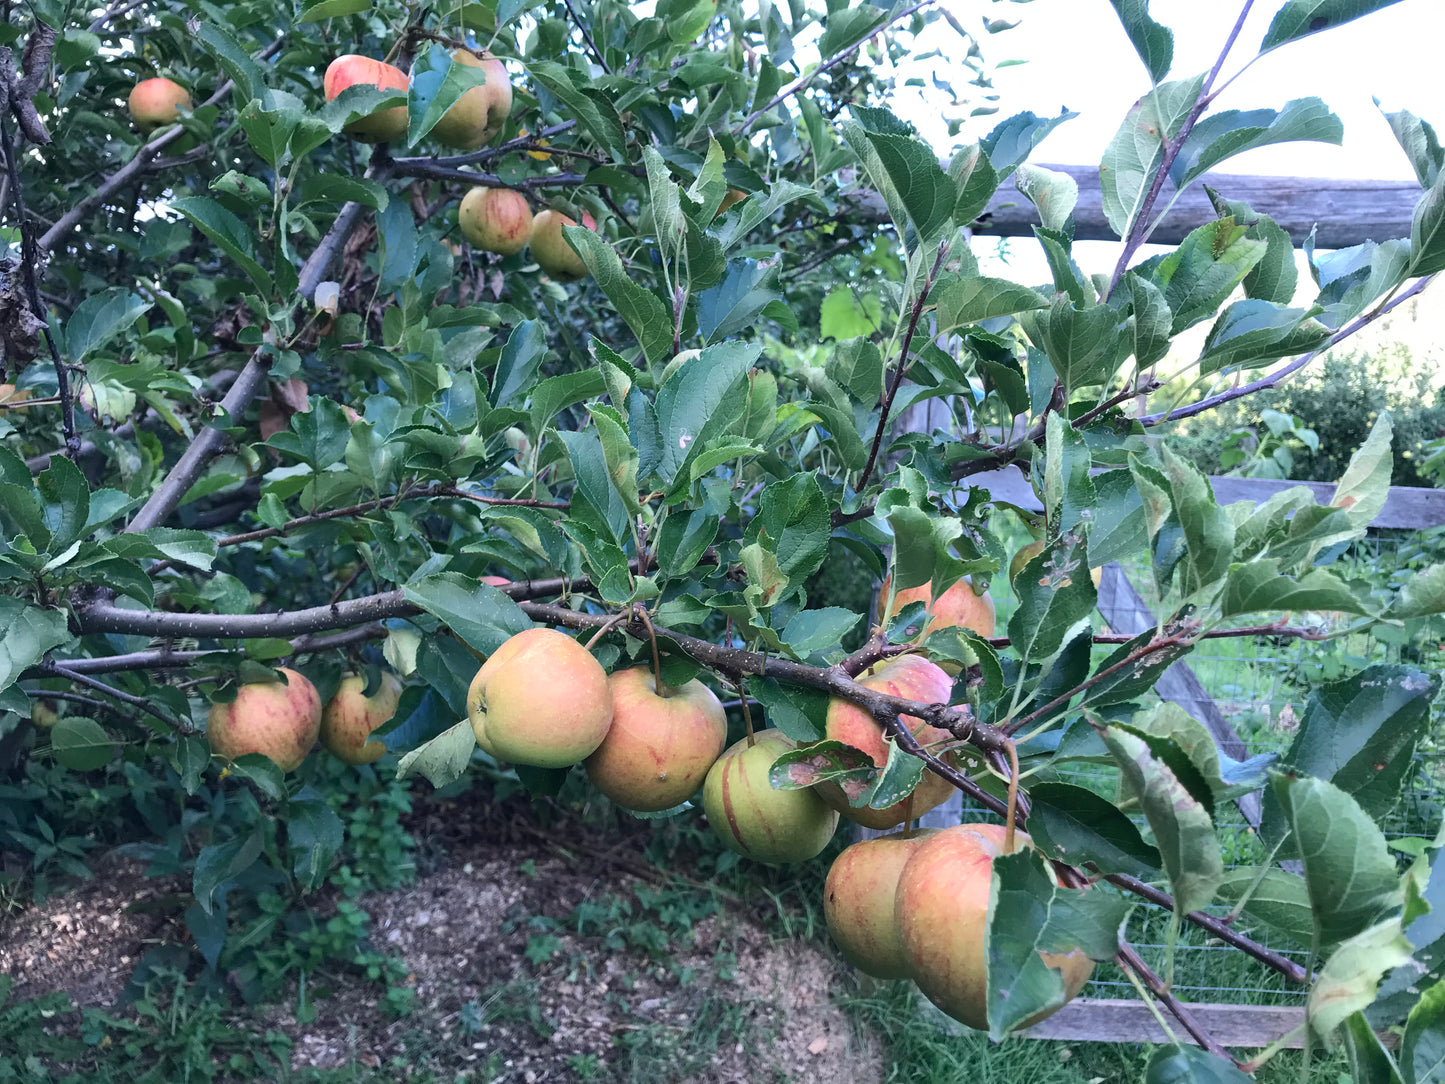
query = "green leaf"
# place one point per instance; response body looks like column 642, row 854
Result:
column 857, row 365
column 683, row 540
column 1137, row 149
column 1182, row 827
column 797, row 711
column 704, row 388
column 333, row 9
column 196, row 549
column 1422, row 1052
column 1252, row 332
column 1012, row 140
column 1189, row 748
column 1223, row 135
column 1275, row 276
column 1422, row 594
column 1259, row 586
column 1348, row 869
column 234, row 59
column 1073, row 824
column 1054, row 194
column 26, row 634
column 480, row 614
column 793, row 514
column 1176, row 1064
column 314, row 834
column 436, row 84
column 65, row 497
column 1084, row 346
column 269, row 131
column 845, row 314
column 221, row 862
column 1361, row 733
column 643, row 310
column 1153, row 42
column 733, row 305
column 1350, row 978
column 1119, row 532
column 1132, row 682
column 1365, row 486
column 1204, row 270
column 81, row 744
column 595, row 499
column 1370, row 1062
column 1420, row 144
column 924, row 189
column 594, row 112
column 977, row 297
column 1054, row 602
column 817, row 630
column 444, row 759
column 1208, row 528
column 974, row 177
column 847, row 26
column 1278, row 899
column 1301, row 18
column 229, row 234
column 99, row 318
column 1068, row 490
column 1027, row 915
column 520, row 359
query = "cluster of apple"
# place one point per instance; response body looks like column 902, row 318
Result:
column 283, row 721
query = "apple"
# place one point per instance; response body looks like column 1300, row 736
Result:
column 659, row 747
column 480, row 112
column 496, row 581
column 1032, row 550
column 541, row 699
column 734, row 195
column 958, row 607
column 9, row 397
column 351, row 70
column 154, row 102
column 550, row 248
column 280, row 720
column 755, row 820
column 914, row 678
column 942, row 914
column 349, row 718
column 859, row 907
column 495, row 219
column 43, row 715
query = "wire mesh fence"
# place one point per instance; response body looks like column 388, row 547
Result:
column 1260, row 685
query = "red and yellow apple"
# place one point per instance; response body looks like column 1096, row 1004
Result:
column 350, row 716
column 154, row 102
column 550, row 248
column 280, row 720
column 755, row 820
column 859, row 902
column 495, row 219
column 351, row 70
column 914, row 678
column 942, row 914
column 541, row 699
column 958, row 607
column 734, row 195
column 480, row 112
column 659, row 747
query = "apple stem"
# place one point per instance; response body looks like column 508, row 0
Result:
column 656, row 655
column 1013, row 797
column 603, row 630
column 747, row 713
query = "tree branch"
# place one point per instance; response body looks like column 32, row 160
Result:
column 487, row 154
column 1284, row 373
column 587, row 37
column 1130, row 960
column 139, row 702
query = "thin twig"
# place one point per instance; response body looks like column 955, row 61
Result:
column 587, row 36
column 56, row 670
column 1130, row 960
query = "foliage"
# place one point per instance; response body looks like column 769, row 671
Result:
column 669, row 446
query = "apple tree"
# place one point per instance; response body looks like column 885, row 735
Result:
column 276, row 397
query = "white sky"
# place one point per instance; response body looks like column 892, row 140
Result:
column 1079, row 57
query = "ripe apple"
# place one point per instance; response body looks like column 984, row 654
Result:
column 942, row 911
column 755, row 820
column 349, row 718
column 495, row 219
column 958, row 607
column 154, row 102
column 659, row 748
column 278, row 720
column 540, row 699
column 1032, row 550
column 351, row 70
column 478, row 114
column 496, row 581
column 909, row 676
column 9, row 397
column 858, row 902
column 550, row 248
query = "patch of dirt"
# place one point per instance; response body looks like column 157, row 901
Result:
column 504, row 985
column 87, row 941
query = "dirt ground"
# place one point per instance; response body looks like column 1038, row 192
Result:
column 503, row 985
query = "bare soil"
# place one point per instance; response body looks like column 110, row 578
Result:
column 726, row 1000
